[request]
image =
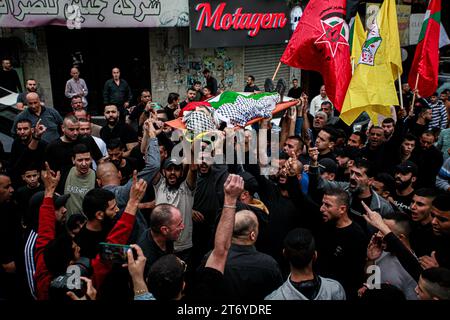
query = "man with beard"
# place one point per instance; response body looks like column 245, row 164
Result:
column 117, row 92
column 9, row 78
column 94, row 128
column 422, row 238
column 86, row 132
column 345, row 158
column 172, row 188
column 124, row 164
column 134, row 119
column 30, row 86
column 21, row 153
column 405, row 177
column 320, row 121
column 384, row 185
column 80, row 180
column 429, row 160
column 440, row 257
column 59, row 153
column 357, row 140
column 100, row 208
column 279, row 193
column 341, row 243
column 388, row 126
column 419, row 125
column 359, row 187
column 208, row 197
column 166, row 226
column 116, row 129
column 375, row 149
column 32, row 230
column 190, row 96
column 49, row 117
column 108, row 177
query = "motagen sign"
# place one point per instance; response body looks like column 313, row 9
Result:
column 77, row 14
column 238, row 23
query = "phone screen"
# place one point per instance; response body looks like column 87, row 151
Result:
column 116, row 253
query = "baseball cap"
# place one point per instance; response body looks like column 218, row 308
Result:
column 171, row 162
column 348, row 152
column 36, row 202
column 407, row 167
column 328, row 165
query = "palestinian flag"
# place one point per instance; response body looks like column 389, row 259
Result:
column 425, row 67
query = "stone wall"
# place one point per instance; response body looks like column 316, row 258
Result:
column 174, row 66
column 33, row 56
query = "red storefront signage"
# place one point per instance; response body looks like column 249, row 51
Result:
column 238, row 20
column 238, row 23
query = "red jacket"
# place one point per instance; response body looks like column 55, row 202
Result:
column 46, row 233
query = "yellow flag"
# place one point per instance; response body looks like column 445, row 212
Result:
column 359, row 36
column 372, row 86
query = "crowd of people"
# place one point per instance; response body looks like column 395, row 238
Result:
column 111, row 212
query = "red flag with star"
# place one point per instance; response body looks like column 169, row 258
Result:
column 320, row 43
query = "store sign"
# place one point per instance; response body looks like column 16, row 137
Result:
column 237, row 23
column 77, row 14
column 415, row 25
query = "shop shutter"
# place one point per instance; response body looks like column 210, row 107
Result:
column 261, row 62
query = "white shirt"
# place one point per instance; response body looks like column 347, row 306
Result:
column 183, row 199
column 316, row 104
column 102, row 146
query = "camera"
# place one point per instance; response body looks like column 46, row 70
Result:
column 70, row 281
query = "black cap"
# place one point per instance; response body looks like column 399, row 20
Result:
column 36, row 202
column 59, row 200
column 171, row 162
column 328, row 165
column 407, row 167
column 250, row 183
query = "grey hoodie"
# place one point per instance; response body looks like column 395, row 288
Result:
column 329, row 290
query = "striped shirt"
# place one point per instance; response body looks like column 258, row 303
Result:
column 439, row 117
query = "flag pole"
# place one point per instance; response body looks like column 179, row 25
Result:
column 415, row 88
column 400, row 89
column 353, row 65
column 276, row 71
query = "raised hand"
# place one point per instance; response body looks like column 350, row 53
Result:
column 50, row 179
column 427, row 262
column 374, row 249
column 138, row 188
column 374, row 219
column 39, row 129
column 313, row 155
column 233, row 186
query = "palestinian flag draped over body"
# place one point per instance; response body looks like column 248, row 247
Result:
column 372, row 86
column 320, row 43
column 233, row 108
column 426, row 58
